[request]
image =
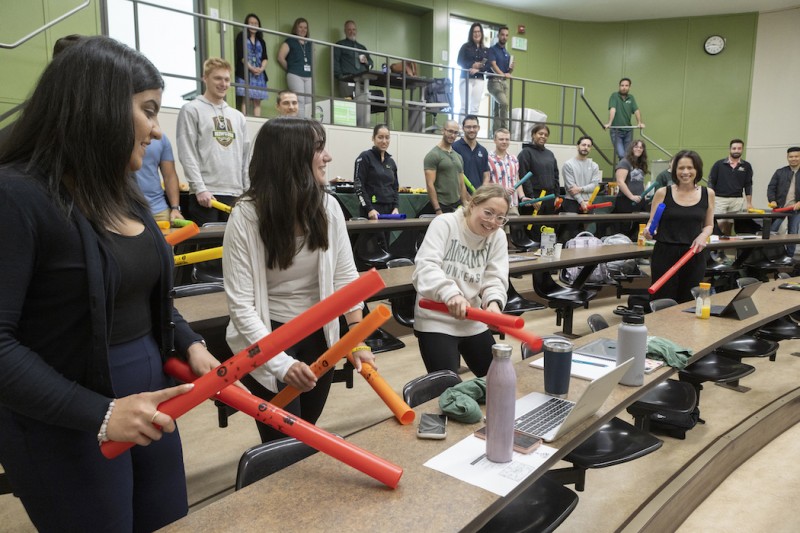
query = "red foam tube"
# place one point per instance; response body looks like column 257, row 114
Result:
column 783, row 209
column 671, row 272
column 259, row 353
column 474, row 313
column 598, row 206
column 533, row 341
column 179, row 235
column 387, row 473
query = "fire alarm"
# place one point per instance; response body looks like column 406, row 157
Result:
column 521, row 29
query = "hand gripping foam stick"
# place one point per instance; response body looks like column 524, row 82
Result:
column 392, row 216
column 199, row 256
column 216, row 204
column 656, row 219
column 525, row 178
column 783, row 209
column 344, row 346
column 402, row 412
column 595, row 192
column 257, row 354
column 287, row 423
column 671, row 272
column 179, row 235
column 474, row 313
column 537, row 200
column 646, row 192
column 598, row 206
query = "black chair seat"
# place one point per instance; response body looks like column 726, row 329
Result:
column 369, row 252
column 265, row 459
column 715, row 368
column 516, row 304
column 520, row 239
column 670, row 397
column 403, row 306
column 614, row 443
column 195, row 289
column 540, row 508
column 563, row 299
column 748, row 346
column 430, row 386
column 781, row 329
column 5, row 486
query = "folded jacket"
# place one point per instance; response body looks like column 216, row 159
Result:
column 460, row 402
column 673, row 354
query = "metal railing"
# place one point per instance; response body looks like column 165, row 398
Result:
column 45, row 27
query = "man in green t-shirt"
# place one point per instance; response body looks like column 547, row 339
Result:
column 621, row 106
column 444, row 173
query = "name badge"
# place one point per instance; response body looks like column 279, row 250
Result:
column 307, row 68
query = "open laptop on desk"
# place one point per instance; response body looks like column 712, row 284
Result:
column 741, row 306
column 549, row 417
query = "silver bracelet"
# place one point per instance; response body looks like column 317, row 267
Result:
column 102, row 435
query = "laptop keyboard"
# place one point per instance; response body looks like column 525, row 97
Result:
column 542, row 419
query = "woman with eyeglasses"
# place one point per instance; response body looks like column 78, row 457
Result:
column 462, row 262
column 286, row 249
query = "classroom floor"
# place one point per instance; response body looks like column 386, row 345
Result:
column 758, row 496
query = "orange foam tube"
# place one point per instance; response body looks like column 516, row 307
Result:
column 783, row 209
column 387, row 473
column 479, row 315
column 597, row 206
column 268, row 347
column 671, row 272
column 402, row 412
column 181, row 234
column 216, row 204
column 533, row 341
column 344, row 346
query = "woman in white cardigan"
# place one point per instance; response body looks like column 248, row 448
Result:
column 285, row 249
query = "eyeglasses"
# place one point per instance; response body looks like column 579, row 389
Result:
column 451, row 132
column 489, row 216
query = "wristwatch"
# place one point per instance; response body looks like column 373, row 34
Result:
column 175, row 207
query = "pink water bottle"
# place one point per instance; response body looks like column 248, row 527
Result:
column 501, row 395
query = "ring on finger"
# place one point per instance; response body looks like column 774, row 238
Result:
column 153, row 419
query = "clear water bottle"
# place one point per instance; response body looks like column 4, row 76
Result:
column 703, row 302
column 501, row 395
column 632, row 342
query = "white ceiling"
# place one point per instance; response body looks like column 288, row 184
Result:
column 620, row 10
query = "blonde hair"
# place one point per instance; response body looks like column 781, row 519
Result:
column 213, row 63
column 487, row 192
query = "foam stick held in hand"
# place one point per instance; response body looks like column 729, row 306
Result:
column 344, row 346
column 198, row 256
column 598, row 206
column 541, row 198
column 470, row 187
column 265, row 349
column 387, row 473
column 756, row 211
column 398, row 407
column 180, row 222
column 595, row 192
column 656, row 219
column 647, row 191
column 179, row 235
column 477, row 314
column 392, row 216
column 216, row 204
column 525, row 178
column 534, row 341
column 783, row 209
column 671, row 272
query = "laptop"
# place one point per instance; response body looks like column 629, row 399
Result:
column 548, row 417
column 740, row 307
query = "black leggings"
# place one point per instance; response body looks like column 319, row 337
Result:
column 442, row 352
column 308, row 405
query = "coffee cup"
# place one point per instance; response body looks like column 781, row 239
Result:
column 557, row 366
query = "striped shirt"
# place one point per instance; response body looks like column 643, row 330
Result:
column 504, row 171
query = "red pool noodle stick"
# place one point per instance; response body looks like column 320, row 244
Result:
column 474, row 313
column 783, row 209
column 598, row 206
column 181, row 234
column 671, row 272
column 533, row 341
column 287, row 423
column 259, row 353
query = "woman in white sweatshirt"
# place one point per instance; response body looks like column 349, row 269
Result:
column 462, row 262
column 286, row 248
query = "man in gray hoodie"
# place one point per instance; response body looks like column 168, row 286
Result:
column 213, row 147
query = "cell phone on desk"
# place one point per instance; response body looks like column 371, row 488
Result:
column 432, row 426
column 522, row 443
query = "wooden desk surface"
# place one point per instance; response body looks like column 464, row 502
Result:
column 321, row 492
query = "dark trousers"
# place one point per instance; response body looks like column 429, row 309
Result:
column 308, row 405
column 446, row 208
column 202, row 215
column 568, row 231
column 66, row 484
column 442, row 352
column 679, row 287
column 383, row 209
column 546, row 208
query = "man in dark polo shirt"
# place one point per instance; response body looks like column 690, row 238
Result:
column 728, row 178
column 475, row 156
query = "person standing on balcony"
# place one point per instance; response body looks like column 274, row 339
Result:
column 254, row 58
column 349, row 62
column 473, row 57
column 500, row 84
column 295, row 57
column 621, row 106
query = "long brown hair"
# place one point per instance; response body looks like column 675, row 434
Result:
column 286, row 194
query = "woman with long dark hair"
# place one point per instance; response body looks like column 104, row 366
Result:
column 251, row 53
column 286, row 248
column 296, row 57
column 86, row 315
column 472, row 57
column 629, row 174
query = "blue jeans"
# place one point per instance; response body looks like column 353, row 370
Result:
column 620, row 139
column 794, row 228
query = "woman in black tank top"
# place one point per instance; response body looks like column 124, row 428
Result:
column 686, row 223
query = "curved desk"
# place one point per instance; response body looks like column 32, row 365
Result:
column 321, row 492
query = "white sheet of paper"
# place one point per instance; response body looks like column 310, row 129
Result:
column 466, row 460
column 589, row 368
